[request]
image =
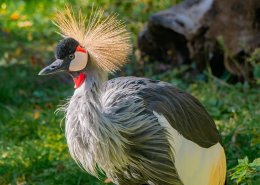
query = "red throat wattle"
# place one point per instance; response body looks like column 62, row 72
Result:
column 78, row 81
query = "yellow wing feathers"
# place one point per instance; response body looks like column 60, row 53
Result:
column 195, row 165
column 218, row 170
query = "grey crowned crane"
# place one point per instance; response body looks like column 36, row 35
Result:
column 137, row 130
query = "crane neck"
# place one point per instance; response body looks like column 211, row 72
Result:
column 93, row 134
column 93, row 83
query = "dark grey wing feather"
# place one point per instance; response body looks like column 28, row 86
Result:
column 183, row 111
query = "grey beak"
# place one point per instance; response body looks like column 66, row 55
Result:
column 56, row 66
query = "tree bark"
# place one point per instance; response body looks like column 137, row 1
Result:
column 220, row 33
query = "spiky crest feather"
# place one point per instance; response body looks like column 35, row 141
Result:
column 106, row 41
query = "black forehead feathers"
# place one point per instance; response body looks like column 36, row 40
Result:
column 66, row 47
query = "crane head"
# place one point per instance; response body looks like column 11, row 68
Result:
column 104, row 42
column 70, row 56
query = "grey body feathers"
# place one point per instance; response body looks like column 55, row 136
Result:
column 112, row 126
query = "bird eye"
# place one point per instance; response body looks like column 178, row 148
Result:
column 71, row 57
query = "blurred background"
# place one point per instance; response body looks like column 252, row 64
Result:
column 33, row 147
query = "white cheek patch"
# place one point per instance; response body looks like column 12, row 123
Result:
column 79, row 62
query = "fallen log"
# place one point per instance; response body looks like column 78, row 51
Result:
column 220, row 33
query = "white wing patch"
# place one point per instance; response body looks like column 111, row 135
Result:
column 195, row 165
column 79, row 62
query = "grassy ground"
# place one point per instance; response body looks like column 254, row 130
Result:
column 33, row 148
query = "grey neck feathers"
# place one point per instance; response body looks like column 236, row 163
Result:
column 91, row 137
column 92, row 86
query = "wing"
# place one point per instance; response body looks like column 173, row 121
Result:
column 183, row 111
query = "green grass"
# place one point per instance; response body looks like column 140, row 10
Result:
column 33, row 147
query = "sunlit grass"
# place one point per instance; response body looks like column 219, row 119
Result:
column 33, row 147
